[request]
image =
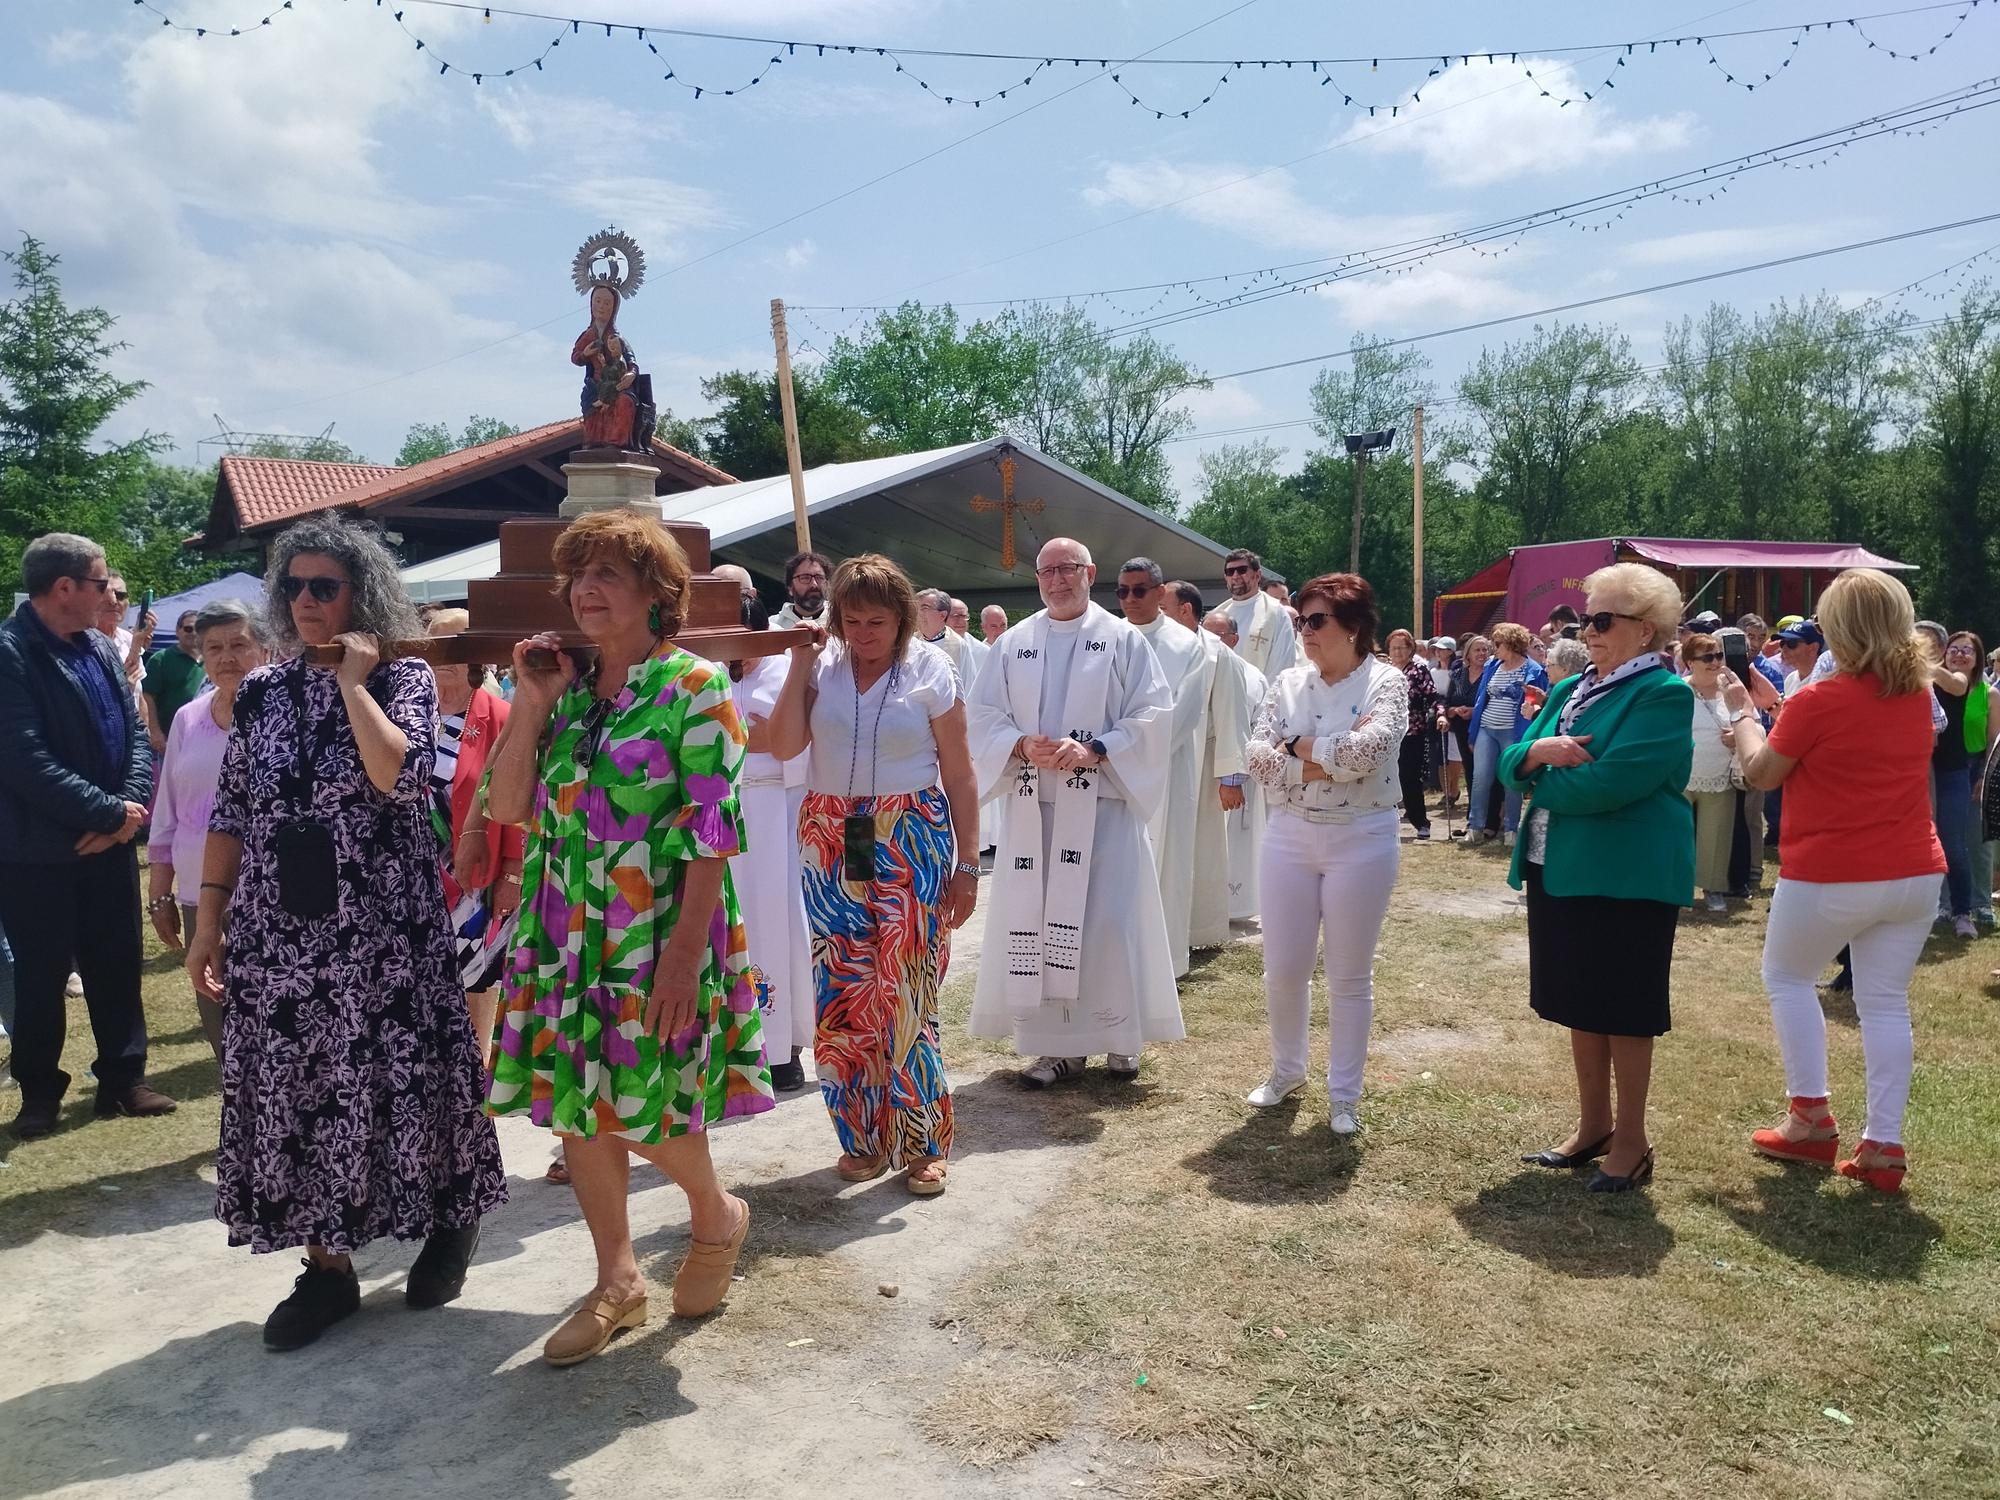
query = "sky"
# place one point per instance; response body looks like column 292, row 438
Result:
column 308, row 226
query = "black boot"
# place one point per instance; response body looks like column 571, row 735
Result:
column 37, row 1118
column 320, row 1298
column 438, row 1275
column 789, row 1077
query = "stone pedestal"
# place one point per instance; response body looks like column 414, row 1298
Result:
column 601, row 486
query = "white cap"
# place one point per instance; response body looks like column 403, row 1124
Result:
column 1444, row 643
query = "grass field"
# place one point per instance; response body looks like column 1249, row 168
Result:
column 1234, row 1305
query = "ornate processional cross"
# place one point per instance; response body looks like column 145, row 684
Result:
column 1006, row 505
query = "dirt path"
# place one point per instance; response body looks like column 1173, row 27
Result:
column 137, row 1369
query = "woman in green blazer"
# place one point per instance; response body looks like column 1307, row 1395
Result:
column 1607, row 860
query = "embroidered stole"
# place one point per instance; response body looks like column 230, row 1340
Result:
column 1044, row 908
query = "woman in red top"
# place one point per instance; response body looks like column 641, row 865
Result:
column 1859, row 864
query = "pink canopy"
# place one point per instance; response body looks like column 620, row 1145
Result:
column 1815, row 555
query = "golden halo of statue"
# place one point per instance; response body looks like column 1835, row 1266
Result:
column 610, row 258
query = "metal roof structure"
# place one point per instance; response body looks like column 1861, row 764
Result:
column 918, row 508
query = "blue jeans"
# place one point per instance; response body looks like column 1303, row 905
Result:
column 1485, row 768
column 1953, row 793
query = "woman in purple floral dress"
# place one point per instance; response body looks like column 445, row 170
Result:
column 351, row 1082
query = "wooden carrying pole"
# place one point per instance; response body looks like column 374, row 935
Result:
column 801, row 529
column 1417, row 520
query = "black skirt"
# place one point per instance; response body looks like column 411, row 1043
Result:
column 1599, row 963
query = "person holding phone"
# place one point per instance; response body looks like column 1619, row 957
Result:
column 350, row 1078
column 1712, row 776
column 889, row 839
column 630, row 1026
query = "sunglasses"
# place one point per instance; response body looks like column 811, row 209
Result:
column 1601, row 621
column 593, row 731
column 121, row 595
column 1317, row 621
column 325, row 590
column 1236, row 571
column 102, row 585
column 1707, row 656
column 1134, row 590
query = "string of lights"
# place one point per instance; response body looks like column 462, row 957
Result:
column 1320, row 71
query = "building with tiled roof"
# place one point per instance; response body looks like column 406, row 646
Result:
column 434, row 507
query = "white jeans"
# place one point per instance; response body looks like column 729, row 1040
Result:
column 1337, row 876
column 1885, row 923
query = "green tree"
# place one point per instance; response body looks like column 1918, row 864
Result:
column 746, row 433
column 1538, row 406
column 925, row 382
column 428, row 440
column 1955, row 378
column 1130, row 404
column 57, row 392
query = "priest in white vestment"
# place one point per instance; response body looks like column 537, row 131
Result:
column 806, row 574
column 1142, row 594
column 1232, row 711
column 1069, row 719
column 1243, row 815
column 1266, row 637
column 965, row 655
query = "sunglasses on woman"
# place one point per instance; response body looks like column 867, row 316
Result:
column 325, row 590
column 1601, row 621
column 1707, row 656
column 593, row 730
column 1317, row 621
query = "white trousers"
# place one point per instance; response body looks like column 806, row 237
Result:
column 1336, row 877
column 1884, row 923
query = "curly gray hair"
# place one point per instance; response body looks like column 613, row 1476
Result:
column 381, row 605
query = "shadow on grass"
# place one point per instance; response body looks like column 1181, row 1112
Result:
column 1275, row 1157
column 120, row 1203
column 1547, row 1217
column 1809, row 1215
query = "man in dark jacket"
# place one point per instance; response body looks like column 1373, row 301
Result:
column 75, row 774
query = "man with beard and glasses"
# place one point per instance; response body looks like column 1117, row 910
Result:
column 805, row 591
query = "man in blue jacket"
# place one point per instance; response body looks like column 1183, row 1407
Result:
column 75, row 774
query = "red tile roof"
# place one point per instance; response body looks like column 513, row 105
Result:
column 269, row 491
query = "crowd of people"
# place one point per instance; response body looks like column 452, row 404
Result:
column 622, row 892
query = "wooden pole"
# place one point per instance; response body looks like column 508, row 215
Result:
column 801, row 528
column 1417, row 526
column 1354, row 541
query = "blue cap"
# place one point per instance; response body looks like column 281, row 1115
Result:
column 1801, row 633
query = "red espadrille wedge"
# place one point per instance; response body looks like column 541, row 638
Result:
column 1807, row 1133
column 1881, row 1166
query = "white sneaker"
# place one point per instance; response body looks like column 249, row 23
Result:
column 1122, row 1065
column 1716, row 903
column 1346, row 1119
column 1275, row 1090
column 1508, row 840
column 1477, row 837
column 1044, row 1071
column 74, row 989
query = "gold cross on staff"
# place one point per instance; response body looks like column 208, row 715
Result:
column 1006, row 505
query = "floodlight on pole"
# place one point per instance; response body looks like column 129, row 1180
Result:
column 1359, row 446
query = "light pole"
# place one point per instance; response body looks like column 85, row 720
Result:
column 1359, row 446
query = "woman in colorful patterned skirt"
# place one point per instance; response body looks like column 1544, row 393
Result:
column 882, row 713
column 629, row 1025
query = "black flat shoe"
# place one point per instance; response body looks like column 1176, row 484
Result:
column 788, row 1077
column 437, row 1275
column 1556, row 1161
column 1604, row 1182
column 320, row 1298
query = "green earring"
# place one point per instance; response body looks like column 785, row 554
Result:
column 653, row 619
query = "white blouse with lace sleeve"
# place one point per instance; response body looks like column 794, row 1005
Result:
column 1355, row 727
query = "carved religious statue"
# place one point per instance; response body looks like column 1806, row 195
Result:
column 617, row 399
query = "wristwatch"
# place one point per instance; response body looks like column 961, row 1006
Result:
column 965, row 867
column 1096, row 748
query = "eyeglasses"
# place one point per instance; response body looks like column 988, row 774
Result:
column 1234, row 570
column 1315, row 622
column 1134, row 590
column 799, row 578
column 593, row 729
column 102, row 585
column 1601, row 621
column 1055, row 571
column 1706, row 656
column 325, row 590
column 1959, row 648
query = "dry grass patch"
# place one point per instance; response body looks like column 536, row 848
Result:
column 1413, row 1313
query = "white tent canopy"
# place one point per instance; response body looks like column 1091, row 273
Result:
column 917, row 508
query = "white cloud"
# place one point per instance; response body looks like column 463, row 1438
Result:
column 1268, row 207
column 799, row 255
column 1719, row 247
column 1435, row 291
column 1471, row 130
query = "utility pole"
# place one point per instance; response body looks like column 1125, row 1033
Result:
column 1354, row 540
column 1417, row 520
column 801, row 529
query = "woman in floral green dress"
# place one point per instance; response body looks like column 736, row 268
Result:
column 629, row 1025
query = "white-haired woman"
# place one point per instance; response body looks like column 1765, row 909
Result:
column 351, row 1082
column 1607, row 861
column 1858, row 867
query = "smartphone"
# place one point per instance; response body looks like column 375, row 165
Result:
column 1735, row 652
column 145, row 606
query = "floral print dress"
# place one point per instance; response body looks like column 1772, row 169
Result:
column 350, row 1076
column 632, row 789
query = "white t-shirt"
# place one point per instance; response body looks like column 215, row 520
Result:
column 880, row 745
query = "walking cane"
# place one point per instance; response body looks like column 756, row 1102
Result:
column 1444, row 785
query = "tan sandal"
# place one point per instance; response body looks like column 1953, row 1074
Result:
column 926, row 1178
column 861, row 1168
column 703, row 1279
column 592, row 1326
